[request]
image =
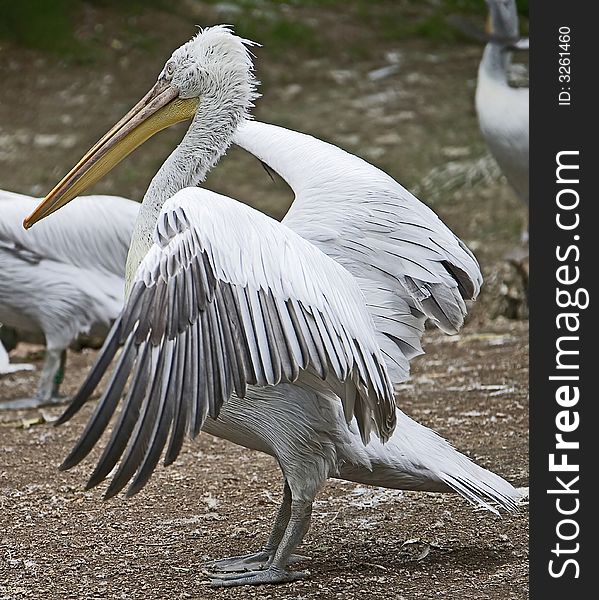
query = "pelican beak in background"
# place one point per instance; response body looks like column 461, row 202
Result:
column 489, row 25
column 160, row 108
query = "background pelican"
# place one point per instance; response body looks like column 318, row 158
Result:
column 64, row 279
column 7, row 367
column 502, row 109
column 254, row 330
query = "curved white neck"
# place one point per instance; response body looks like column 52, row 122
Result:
column 205, row 142
column 495, row 62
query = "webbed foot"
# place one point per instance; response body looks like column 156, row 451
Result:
column 35, row 402
column 271, row 575
column 256, row 561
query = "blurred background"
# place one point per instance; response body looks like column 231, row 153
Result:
column 390, row 80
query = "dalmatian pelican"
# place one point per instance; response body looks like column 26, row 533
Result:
column 503, row 109
column 284, row 337
column 65, row 279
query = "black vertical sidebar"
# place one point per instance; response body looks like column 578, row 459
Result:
column 564, row 268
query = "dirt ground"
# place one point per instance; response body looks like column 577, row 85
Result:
column 403, row 104
column 57, row 541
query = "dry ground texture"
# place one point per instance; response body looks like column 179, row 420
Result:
column 402, row 102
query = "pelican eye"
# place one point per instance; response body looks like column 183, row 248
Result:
column 169, row 70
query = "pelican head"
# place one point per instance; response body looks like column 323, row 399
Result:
column 214, row 69
column 502, row 23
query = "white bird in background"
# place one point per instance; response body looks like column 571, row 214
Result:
column 64, row 279
column 6, row 367
column 502, row 109
column 283, row 337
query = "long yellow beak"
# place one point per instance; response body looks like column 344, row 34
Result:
column 160, row 108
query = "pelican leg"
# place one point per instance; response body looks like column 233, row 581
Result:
column 50, row 379
column 275, row 570
column 52, row 375
column 59, row 375
column 259, row 560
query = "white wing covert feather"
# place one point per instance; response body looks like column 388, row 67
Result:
column 226, row 297
column 409, row 264
column 75, row 237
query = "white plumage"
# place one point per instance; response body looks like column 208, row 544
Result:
column 503, row 110
column 282, row 337
column 6, row 367
column 409, row 265
column 66, row 277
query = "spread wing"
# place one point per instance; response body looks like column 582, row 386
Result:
column 226, row 298
column 409, row 264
